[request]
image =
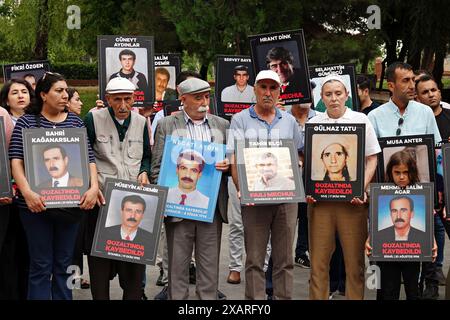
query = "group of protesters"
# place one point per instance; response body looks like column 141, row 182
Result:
column 37, row 245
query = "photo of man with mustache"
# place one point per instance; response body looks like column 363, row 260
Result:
column 402, row 212
column 57, row 163
column 132, row 212
column 189, row 170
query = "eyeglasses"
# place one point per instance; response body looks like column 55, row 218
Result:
column 399, row 129
column 52, row 74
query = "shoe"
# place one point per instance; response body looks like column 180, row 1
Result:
column 144, row 297
column 85, row 284
column 303, row 262
column 159, row 281
column 221, row 295
column 192, row 275
column 431, row 292
column 331, row 295
column 441, row 278
column 234, row 277
column 163, row 295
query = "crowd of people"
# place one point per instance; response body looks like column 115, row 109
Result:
column 37, row 244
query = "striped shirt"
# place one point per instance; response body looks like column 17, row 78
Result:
column 198, row 131
column 29, row 121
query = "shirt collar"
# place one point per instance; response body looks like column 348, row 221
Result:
column 123, row 234
column 63, row 181
column 253, row 113
column 187, row 118
column 395, row 109
column 126, row 123
column 346, row 115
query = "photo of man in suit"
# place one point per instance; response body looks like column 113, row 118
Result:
column 402, row 212
column 162, row 91
column 132, row 212
column 57, row 163
column 190, row 165
column 128, row 59
column 281, row 61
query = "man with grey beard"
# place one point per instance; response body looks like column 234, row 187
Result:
column 193, row 123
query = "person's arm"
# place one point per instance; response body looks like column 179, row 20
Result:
column 145, row 162
column 90, row 128
column 90, row 197
column 434, row 129
column 371, row 166
column 157, row 153
column 35, row 203
column 9, row 126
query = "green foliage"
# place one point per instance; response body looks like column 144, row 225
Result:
column 76, row 70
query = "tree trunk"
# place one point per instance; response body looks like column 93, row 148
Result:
column 204, row 71
column 365, row 63
column 41, row 46
column 427, row 59
column 438, row 69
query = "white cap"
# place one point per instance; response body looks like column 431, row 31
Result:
column 268, row 74
column 120, row 85
column 333, row 77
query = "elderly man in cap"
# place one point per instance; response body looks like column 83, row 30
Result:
column 264, row 121
column 346, row 219
column 183, row 234
column 121, row 145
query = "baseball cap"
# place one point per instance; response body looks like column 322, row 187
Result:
column 120, row 85
column 268, row 74
column 193, row 85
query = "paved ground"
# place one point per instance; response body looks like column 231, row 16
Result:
column 236, row 292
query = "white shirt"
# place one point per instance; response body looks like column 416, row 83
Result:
column 63, row 181
column 445, row 105
column 123, row 234
column 193, row 199
column 350, row 116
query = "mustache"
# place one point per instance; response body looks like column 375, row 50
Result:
column 187, row 179
column 53, row 169
column 399, row 220
column 203, row 109
column 132, row 220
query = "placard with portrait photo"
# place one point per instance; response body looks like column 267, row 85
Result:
column 285, row 53
column 167, row 68
column 268, row 171
column 56, row 164
column 401, row 222
column 5, row 170
column 130, row 57
column 334, row 161
column 445, row 152
column 30, row 71
column 188, row 170
column 416, row 152
column 234, row 84
column 129, row 225
column 346, row 71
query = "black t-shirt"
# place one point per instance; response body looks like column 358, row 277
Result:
column 370, row 108
column 443, row 123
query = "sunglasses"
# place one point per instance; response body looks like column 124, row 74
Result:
column 399, row 129
column 51, row 73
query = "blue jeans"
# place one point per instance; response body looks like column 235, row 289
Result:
column 51, row 245
column 302, row 231
column 439, row 234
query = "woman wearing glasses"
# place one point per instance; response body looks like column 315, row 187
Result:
column 51, row 238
